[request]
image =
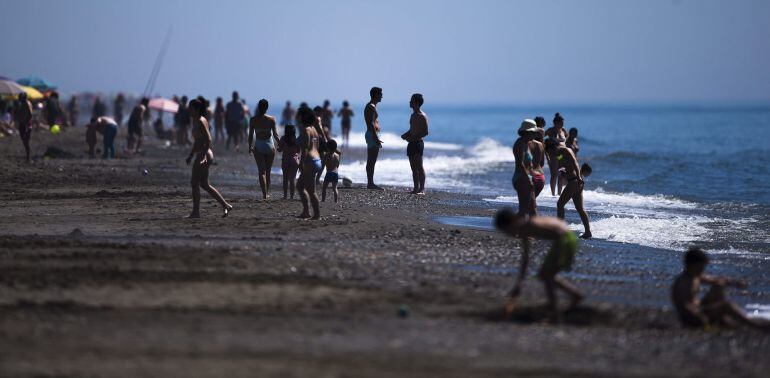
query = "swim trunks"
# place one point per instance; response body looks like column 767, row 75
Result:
column 333, row 177
column 562, row 253
column 415, row 148
column 371, row 141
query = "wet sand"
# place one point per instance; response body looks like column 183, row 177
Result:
column 102, row 276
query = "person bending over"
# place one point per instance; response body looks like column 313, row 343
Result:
column 569, row 167
column 560, row 256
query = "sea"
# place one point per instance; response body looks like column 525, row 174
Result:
column 664, row 177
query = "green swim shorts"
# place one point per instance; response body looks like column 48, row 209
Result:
column 562, row 253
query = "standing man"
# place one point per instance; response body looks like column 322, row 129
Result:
column 418, row 129
column 234, row 116
column 117, row 108
column 326, row 119
column 109, row 128
column 183, row 119
column 373, row 142
column 22, row 115
column 52, row 109
column 135, row 131
column 345, row 113
column 287, row 116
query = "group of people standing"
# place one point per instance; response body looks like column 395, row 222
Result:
column 306, row 146
column 537, row 146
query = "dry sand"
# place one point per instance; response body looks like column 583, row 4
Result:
column 100, row 275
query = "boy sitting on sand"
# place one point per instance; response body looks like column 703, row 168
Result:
column 559, row 257
column 332, row 163
column 714, row 308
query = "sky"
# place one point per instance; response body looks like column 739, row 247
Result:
column 453, row 52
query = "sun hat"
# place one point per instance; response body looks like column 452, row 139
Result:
column 527, row 126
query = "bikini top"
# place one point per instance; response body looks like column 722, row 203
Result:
column 528, row 156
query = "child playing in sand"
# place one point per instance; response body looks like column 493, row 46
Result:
column 560, row 256
column 289, row 149
column 332, row 163
column 714, row 308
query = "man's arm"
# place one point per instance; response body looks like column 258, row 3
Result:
column 251, row 135
column 722, row 281
column 522, row 269
column 369, row 117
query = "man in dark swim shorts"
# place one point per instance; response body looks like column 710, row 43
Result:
column 418, row 129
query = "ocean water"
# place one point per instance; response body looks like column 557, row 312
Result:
column 664, row 177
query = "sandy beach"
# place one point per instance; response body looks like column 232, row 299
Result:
column 102, row 276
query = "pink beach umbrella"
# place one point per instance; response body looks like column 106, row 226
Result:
column 164, row 105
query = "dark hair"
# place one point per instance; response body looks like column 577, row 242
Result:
column 326, row 103
column 345, row 103
column 219, row 100
column 695, row 256
column 145, row 101
column 23, row 96
column 557, row 118
column 55, row 94
column 290, row 135
column 306, row 116
column 418, row 98
column 198, row 105
column 318, row 110
column 303, row 104
column 504, row 217
column 586, row 168
column 331, row 145
column 93, row 120
column 205, row 103
column 573, row 130
column 235, row 95
column 184, row 99
column 375, row 91
column 550, row 144
column 540, row 122
column 262, row 106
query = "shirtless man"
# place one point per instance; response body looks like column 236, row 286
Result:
column 326, row 119
column 135, row 125
column 22, row 116
column 346, row 113
column 108, row 127
column 560, row 256
column 418, row 129
column 263, row 131
column 310, row 163
column 373, row 142
column 715, row 308
column 288, row 114
column 558, row 134
column 567, row 160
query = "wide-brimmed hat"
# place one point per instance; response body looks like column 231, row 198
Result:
column 528, row 126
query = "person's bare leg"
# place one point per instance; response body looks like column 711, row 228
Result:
column 196, row 193
column 371, row 161
column 720, row 307
column 303, row 194
column 563, row 284
column 336, row 192
column 562, row 183
column 310, row 187
column 285, row 184
column 323, row 190
column 292, row 177
column 26, row 148
column 553, row 167
column 213, row 192
column 268, row 168
column 577, row 199
column 564, row 197
column 415, row 174
column 550, row 293
column 261, row 165
column 421, row 172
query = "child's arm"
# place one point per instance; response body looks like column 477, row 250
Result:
column 722, row 281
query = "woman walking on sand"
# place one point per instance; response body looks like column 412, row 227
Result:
column 262, row 130
column 201, row 152
column 310, row 163
column 523, row 158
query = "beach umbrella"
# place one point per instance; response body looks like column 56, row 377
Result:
column 37, row 82
column 32, row 93
column 164, row 105
column 9, row 89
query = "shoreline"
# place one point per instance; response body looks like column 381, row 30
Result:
column 102, row 276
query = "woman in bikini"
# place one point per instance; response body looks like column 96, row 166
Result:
column 559, row 135
column 263, row 132
column 310, row 163
column 522, row 181
column 288, row 145
column 203, row 156
column 537, row 149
